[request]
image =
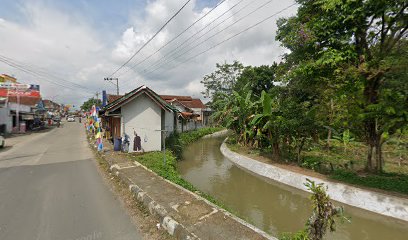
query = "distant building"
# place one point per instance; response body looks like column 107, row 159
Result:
column 7, row 78
column 193, row 112
column 17, row 104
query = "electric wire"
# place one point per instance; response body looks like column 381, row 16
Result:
column 183, row 44
column 148, row 41
column 212, row 36
column 170, row 41
column 41, row 71
column 231, row 37
column 32, row 73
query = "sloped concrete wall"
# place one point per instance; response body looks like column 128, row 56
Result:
column 372, row 201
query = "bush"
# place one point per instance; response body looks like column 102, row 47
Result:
column 177, row 141
column 154, row 161
column 385, row 181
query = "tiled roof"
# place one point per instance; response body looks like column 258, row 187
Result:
column 25, row 100
column 155, row 97
column 187, row 115
column 187, row 101
column 112, row 98
column 180, row 98
column 194, row 103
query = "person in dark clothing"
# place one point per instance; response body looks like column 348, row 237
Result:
column 137, row 143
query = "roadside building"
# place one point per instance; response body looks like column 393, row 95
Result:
column 7, row 78
column 143, row 116
column 194, row 113
column 18, row 104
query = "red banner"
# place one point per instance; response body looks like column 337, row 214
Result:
column 13, row 92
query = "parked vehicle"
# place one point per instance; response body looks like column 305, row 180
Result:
column 2, row 141
column 71, row 119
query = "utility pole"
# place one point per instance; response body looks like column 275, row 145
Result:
column 110, row 79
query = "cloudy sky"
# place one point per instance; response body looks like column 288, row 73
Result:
column 69, row 46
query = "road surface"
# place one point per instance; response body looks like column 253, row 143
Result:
column 50, row 189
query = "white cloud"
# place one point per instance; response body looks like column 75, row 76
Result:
column 66, row 44
column 254, row 47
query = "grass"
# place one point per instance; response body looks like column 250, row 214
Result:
column 347, row 163
column 154, row 161
column 178, row 141
column 386, row 181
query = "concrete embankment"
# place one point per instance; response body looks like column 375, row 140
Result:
column 180, row 212
column 380, row 203
column 217, row 134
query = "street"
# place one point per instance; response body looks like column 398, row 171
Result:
column 50, row 189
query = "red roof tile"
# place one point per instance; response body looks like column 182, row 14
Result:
column 112, row 97
column 180, row 98
column 194, row 103
column 25, row 100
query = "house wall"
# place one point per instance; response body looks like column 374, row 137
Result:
column 21, row 107
column 169, row 122
column 143, row 116
column 5, row 118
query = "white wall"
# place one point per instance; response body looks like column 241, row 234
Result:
column 5, row 118
column 169, row 122
column 21, row 108
column 143, row 116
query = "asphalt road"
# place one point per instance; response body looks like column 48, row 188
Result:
column 50, row 189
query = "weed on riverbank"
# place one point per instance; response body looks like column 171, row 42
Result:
column 345, row 163
column 178, row 141
column 167, row 167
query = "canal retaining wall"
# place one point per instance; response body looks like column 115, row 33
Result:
column 380, row 203
column 182, row 213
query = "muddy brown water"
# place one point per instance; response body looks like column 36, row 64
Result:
column 269, row 205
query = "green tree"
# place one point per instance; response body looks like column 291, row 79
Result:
column 220, row 83
column 258, row 79
column 87, row 105
column 347, row 45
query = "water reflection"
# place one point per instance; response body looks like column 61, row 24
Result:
column 271, row 206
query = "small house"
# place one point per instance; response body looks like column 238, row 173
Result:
column 141, row 115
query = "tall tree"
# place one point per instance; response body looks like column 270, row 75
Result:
column 87, row 105
column 349, row 42
column 220, row 83
column 258, row 79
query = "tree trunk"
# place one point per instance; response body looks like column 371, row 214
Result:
column 371, row 93
column 378, row 155
column 276, row 150
column 369, row 165
column 299, row 149
column 329, row 136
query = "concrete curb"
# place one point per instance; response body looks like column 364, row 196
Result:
column 376, row 202
column 173, row 227
column 257, row 230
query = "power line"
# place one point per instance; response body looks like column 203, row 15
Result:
column 40, row 71
column 170, row 53
column 145, row 44
column 30, row 72
column 199, row 31
column 170, row 41
column 213, row 35
column 233, row 36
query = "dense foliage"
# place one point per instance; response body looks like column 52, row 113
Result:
column 87, row 105
column 345, row 77
column 176, row 142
